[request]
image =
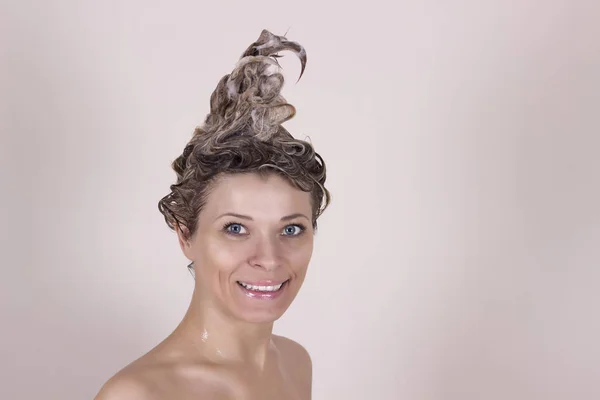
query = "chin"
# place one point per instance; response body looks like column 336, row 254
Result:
column 263, row 303
column 260, row 318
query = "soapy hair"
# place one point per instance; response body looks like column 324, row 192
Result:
column 243, row 133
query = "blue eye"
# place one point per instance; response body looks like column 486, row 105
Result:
column 234, row 228
column 293, row 230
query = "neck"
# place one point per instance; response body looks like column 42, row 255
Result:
column 221, row 338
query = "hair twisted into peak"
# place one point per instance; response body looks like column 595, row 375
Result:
column 243, row 134
column 249, row 98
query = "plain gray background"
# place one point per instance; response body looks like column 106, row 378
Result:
column 460, row 257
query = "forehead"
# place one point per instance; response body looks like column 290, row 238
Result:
column 259, row 196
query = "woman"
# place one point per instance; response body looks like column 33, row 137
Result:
column 245, row 208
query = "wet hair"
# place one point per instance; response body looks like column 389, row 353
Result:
column 243, row 133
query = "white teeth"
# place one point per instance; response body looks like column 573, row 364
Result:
column 261, row 288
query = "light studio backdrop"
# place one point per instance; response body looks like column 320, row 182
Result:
column 459, row 259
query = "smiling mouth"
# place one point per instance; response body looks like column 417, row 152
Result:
column 262, row 289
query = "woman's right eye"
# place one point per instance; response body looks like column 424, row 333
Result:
column 235, row 229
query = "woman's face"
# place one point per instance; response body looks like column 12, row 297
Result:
column 252, row 246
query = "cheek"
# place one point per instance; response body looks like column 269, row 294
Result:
column 221, row 256
column 299, row 256
column 218, row 255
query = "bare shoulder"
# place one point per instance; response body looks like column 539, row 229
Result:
column 159, row 375
column 125, row 386
column 137, row 381
column 292, row 349
column 297, row 358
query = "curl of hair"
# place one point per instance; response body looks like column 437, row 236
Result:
column 243, row 133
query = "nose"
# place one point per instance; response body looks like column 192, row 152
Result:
column 266, row 254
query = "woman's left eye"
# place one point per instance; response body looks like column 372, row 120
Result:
column 293, row 230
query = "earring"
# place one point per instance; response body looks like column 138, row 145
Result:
column 190, row 268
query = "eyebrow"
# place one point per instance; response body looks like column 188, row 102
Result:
column 248, row 218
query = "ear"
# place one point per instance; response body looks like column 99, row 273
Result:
column 184, row 240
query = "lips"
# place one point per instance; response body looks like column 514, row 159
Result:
column 263, row 289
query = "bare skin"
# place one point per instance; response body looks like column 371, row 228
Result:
column 224, row 347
